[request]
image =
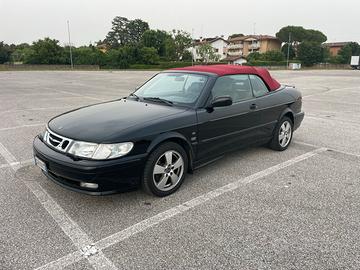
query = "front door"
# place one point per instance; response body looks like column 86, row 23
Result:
column 226, row 128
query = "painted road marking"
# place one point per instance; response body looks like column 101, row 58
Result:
column 23, row 126
column 179, row 209
column 77, row 236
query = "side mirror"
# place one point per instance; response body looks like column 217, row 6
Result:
column 222, row 101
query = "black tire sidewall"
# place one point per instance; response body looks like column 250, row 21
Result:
column 147, row 180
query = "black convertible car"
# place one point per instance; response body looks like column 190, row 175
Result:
column 176, row 122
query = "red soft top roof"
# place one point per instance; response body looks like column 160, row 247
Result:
column 222, row 70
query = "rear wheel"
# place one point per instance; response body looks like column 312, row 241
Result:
column 282, row 135
column 165, row 169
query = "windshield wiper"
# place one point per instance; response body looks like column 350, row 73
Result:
column 134, row 95
column 157, row 99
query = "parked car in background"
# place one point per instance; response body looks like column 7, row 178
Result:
column 176, row 122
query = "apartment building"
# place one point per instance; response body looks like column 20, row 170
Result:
column 219, row 45
column 244, row 45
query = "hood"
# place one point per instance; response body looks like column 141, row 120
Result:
column 97, row 122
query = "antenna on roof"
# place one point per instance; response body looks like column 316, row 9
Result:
column 254, row 28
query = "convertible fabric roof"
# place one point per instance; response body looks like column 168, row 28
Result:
column 223, row 70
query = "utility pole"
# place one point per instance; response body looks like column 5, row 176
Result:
column 193, row 46
column 288, row 51
column 71, row 58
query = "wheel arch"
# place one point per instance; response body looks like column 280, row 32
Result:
column 176, row 138
column 288, row 113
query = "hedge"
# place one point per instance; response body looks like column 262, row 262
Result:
column 270, row 63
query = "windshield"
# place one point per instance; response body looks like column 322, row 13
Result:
column 179, row 88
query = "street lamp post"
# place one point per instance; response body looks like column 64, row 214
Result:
column 71, row 58
column 288, row 52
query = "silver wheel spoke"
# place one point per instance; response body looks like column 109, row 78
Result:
column 284, row 134
column 159, row 169
column 168, row 156
column 174, row 178
column 162, row 182
column 178, row 163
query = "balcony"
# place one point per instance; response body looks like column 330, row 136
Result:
column 235, row 53
column 254, row 46
column 235, row 46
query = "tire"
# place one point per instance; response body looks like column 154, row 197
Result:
column 282, row 135
column 165, row 170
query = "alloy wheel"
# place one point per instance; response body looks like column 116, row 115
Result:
column 168, row 170
column 285, row 134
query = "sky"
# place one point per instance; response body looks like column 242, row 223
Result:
column 90, row 20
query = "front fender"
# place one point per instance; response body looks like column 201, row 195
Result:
column 177, row 137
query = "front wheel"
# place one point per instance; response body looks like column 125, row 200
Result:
column 165, row 170
column 282, row 135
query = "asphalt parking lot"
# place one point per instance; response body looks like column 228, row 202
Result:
column 253, row 209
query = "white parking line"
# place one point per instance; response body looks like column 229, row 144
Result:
column 331, row 149
column 179, row 209
column 37, row 109
column 7, row 155
column 77, row 236
column 78, row 95
column 23, row 126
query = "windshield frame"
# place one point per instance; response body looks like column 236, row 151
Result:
column 175, row 103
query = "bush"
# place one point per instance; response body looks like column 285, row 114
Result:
column 88, row 56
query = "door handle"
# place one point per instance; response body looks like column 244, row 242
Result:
column 253, row 107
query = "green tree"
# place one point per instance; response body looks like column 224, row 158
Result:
column 207, row 53
column 170, row 50
column 182, row 42
column 254, row 56
column 118, row 35
column 5, row 52
column 46, row 51
column 88, row 56
column 298, row 34
column 136, row 29
column 284, row 50
column 345, row 53
column 125, row 31
column 310, row 53
column 275, row 56
column 315, row 36
column 156, row 39
column 117, row 58
column 149, row 55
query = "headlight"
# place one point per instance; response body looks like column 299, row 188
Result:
column 44, row 135
column 100, row 151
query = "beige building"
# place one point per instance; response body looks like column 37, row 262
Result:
column 243, row 46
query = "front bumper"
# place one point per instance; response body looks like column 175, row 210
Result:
column 298, row 119
column 111, row 175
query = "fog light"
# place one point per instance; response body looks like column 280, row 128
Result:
column 89, row 185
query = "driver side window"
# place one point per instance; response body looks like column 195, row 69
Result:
column 236, row 86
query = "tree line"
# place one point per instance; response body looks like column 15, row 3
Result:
column 306, row 45
column 128, row 42
column 131, row 42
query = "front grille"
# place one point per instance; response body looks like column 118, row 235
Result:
column 56, row 141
